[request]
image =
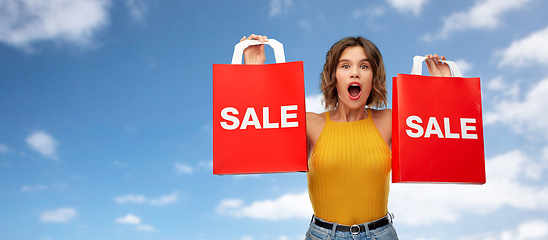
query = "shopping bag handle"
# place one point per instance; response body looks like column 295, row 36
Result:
column 417, row 66
column 277, row 46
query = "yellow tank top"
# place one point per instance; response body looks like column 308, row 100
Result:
column 348, row 172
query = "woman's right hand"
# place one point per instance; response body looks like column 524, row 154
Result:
column 255, row 54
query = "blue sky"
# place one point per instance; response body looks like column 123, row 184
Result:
column 106, row 115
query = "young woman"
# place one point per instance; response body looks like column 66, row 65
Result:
column 349, row 144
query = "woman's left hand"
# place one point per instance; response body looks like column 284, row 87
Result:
column 436, row 67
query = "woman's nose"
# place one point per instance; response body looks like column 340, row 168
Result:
column 354, row 73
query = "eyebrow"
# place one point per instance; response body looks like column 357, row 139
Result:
column 363, row 60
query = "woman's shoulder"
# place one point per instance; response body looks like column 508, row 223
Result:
column 315, row 117
column 381, row 113
column 315, row 121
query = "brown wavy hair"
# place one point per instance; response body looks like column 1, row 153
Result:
column 377, row 97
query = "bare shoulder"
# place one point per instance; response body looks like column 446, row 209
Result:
column 314, row 126
column 382, row 115
column 383, row 121
column 315, row 116
column 315, row 119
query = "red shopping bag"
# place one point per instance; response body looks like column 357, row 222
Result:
column 258, row 115
column 437, row 128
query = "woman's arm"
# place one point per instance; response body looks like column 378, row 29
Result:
column 255, row 54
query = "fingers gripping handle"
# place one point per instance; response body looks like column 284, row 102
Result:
column 417, row 66
column 277, row 46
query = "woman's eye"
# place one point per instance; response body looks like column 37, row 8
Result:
column 363, row 66
column 345, row 66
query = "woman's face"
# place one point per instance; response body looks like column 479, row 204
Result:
column 354, row 78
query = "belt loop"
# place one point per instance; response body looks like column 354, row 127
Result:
column 367, row 232
column 390, row 216
column 333, row 231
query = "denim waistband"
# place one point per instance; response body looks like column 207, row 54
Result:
column 354, row 229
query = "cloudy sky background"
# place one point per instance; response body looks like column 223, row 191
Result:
column 105, row 115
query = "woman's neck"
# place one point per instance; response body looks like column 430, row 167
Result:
column 345, row 114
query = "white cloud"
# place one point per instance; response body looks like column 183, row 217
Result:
column 544, row 155
column 146, row 228
column 464, row 66
column 284, row 207
column 206, row 164
column 414, row 6
column 4, row 148
column 247, row 238
column 531, row 49
column 424, row 204
column 130, row 199
column 137, row 8
column 39, row 187
column 228, row 205
column 135, row 220
column 484, row 14
column 59, row 215
column 159, row 201
column 164, row 200
column 35, row 188
column 314, row 103
column 24, row 22
column 530, row 230
column 44, row 144
column 527, row 116
column 183, row 168
column 278, row 7
column 497, row 83
column 129, row 219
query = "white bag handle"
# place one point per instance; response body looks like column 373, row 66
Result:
column 417, row 66
column 277, row 46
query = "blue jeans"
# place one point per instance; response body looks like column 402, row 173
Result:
column 386, row 232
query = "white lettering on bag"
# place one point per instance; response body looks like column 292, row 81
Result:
column 465, row 128
column 286, row 116
column 417, row 127
column 251, row 119
column 266, row 123
column 447, row 127
column 225, row 116
column 434, row 128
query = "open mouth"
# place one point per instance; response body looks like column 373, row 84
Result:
column 354, row 90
